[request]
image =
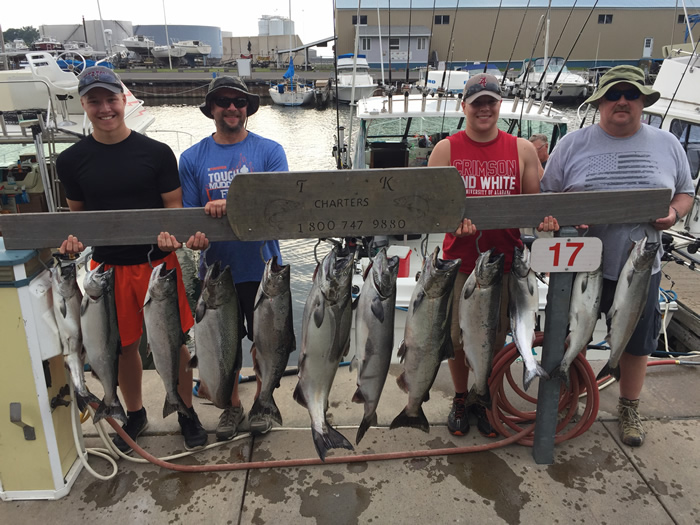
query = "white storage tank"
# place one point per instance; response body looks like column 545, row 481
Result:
column 288, row 26
column 264, row 26
column 276, row 26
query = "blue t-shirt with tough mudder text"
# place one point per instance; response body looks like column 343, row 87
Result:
column 206, row 172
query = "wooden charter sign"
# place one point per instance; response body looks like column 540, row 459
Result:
column 349, row 203
column 318, row 204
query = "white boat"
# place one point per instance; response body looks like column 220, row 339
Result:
column 139, row 44
column 677, row 111
column 83, row 48
column 171, row 51
column 362, row 81
column 400, row 131
column 193, row 48
column 292, row 91
column 40, row 106
column 533, row 77
column 436, row 80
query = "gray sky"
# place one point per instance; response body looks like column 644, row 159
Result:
column 313, row 19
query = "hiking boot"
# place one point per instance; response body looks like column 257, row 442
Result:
column 136, row 424
column 260, row 424
column 631, row 431
column 482, row 421
column 192, row 430
column 457, row 422
column 229, row 420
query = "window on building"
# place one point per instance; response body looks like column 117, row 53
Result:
column 605, row 19
column 442, row 19
column 363, row 20
column 393, row 43
column 681, row 19
column 365, row 44
column 421, row 42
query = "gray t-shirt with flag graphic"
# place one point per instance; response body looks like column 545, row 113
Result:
column 591, row 160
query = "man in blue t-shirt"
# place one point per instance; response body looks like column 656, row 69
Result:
column 206, row 172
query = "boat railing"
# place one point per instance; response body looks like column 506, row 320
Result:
column 182, row 139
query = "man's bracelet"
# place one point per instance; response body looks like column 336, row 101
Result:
column 678, row 215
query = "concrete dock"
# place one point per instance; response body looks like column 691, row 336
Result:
column 594, row 478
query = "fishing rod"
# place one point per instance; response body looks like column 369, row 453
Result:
column 340, row 146
column 389, row 41
column 408, row 54
column 522, row 21
column 450, row 44
column 549, row 58
column 585, row 23
column 493, row 34
column 528, row 67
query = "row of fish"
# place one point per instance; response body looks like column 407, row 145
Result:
column 88, row 325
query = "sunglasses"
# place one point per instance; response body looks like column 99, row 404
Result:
column 483, row 101
column 225, row 102
column 629, row 94
column 104, row 77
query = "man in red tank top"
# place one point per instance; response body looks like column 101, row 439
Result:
column 491, row 162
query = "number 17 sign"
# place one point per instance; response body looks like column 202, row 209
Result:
column 562, row 254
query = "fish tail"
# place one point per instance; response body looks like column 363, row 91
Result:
column 404, row 420
column 562, row 372
column 331, row 438
column 114, row 411
column 262, row 407
column 368, row 421
column 609, row 371
column 175, row 406
column 529, row 375
column 84, row 399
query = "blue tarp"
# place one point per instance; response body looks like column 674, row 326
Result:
column 290, row 70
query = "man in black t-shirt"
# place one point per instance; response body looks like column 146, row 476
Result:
column 116, row 168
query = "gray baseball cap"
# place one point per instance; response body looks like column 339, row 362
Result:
column 99, row 77
column 479, row 85
column 229, row 82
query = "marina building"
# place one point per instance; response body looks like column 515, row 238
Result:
column 606, row 32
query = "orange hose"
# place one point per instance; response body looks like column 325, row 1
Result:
column 508, row 420
column 582, row 378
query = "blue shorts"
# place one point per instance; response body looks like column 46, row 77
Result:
column 645, row 336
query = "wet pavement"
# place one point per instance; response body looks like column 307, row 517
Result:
column 594, row 478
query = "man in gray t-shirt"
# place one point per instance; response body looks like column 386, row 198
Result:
column 621, row 153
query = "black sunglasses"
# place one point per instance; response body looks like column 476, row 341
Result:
column 630, row 94
column 225, row 102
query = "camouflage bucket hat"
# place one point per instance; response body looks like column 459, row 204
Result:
column 627, row 74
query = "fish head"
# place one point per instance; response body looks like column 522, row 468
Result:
column 162, row 283
column 438, row 275
column 276, row 277
column 218, row 286
column 98, row 281
column 336, row 273
column 644, row 254
column 521, row 262
column 489, row 268
column 63, row 279
column 385, row 270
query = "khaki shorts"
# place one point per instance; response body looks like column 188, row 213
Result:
column 504, row 321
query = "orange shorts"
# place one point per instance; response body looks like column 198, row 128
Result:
column 130, row 287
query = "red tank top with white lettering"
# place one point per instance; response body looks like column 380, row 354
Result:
column 487, row 168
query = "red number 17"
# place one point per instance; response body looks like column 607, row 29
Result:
column 577, row 246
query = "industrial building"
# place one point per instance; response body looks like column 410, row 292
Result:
column 605, row 32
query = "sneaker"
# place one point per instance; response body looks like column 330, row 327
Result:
column 260, row 424
column 192, row 430
column 482, row 421
column 136, row 424
column 229, row 420
column 631, row 430
column 457, row 422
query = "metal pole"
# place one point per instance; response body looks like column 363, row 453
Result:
column 556, row 321
column 167, row 40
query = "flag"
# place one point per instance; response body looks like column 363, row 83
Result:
column 290, row 70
